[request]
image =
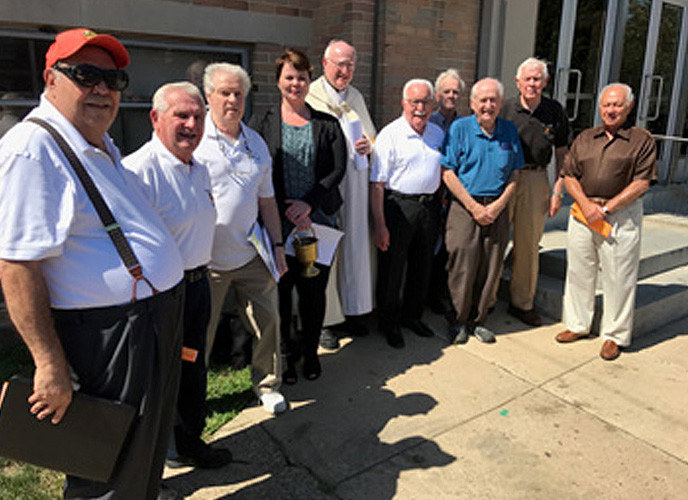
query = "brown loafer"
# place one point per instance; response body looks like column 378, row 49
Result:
column 568, row 336
column 610, row 350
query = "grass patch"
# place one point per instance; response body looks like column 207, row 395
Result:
column 229, row 392
column 26, row 482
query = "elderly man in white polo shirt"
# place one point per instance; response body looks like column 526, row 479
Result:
column 405, row 177
column 68, row 291
column 178, row 187
column 241, row 175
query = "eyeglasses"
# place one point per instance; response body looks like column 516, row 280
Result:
column 88, row 75
column 417, row 102
column 343, row 64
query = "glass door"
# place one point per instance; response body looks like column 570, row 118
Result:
column 661, row 67
column 658, row 102
column 580, row 48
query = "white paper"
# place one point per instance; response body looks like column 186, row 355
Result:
column 328, row 239
column 356, row 130
column 260, row 239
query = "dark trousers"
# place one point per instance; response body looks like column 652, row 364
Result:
column 475, row 262
column 412, row 229
column 194, row 379
column 129, row 353
column 311, row 308
column 438, row 292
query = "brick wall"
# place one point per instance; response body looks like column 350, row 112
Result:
column 297, row 8
column 421, row 38
column 415, row 38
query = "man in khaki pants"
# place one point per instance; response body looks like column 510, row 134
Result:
column 241, row 177
column 542, row 127
column 607, row 171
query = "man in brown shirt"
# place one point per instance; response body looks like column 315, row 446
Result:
column 607, row 170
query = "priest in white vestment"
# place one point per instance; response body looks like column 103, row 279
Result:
column 350, row 292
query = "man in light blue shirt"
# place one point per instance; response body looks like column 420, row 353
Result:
column 481, row 159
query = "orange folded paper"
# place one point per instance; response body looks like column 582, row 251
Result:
column 189, row 354
column 601, row 226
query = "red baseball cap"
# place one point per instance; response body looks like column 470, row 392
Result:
column 71, row 41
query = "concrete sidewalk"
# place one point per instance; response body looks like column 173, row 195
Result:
column 523, row 418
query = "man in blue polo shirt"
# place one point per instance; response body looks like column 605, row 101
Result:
column 481, row 157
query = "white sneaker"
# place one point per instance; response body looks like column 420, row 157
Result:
column 273, row 402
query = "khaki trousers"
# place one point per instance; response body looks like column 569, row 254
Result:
column 528, row 210
column 474, row 264
column 617, row 259
column 256, row 295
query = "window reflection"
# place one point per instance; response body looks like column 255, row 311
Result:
column 22, row 60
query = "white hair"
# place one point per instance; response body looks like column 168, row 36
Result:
column 628, row 90
column 533, row 61
column 334, row 41
column 500, row 87
column 225, row 67
column 160, row 103
column 415, row 81
column 450, row 73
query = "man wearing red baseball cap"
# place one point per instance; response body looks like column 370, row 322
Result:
column 71, row 41
column 88, row 321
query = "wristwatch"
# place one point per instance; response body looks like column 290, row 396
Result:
column 605, row 210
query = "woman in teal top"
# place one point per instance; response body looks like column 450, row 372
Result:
column 308, row 151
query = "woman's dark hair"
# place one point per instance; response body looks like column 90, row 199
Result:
column 296, row 58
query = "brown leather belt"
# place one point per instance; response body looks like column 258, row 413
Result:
column 599, row 201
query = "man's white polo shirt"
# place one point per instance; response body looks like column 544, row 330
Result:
column 181, row 195
column 45, row 215
column 240, row 173
column 406, row 161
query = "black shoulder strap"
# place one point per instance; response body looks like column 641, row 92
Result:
column 109, row 222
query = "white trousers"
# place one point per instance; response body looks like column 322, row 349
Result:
column 616, row 260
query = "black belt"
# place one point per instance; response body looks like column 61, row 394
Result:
column 533, row 166
column 193, row 275
column 485, row 200
column 420, row 198
column 112, row 313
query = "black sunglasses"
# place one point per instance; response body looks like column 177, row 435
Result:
column 88, row 75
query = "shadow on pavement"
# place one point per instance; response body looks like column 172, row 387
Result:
column 335, row 441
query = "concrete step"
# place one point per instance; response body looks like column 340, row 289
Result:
column 662, row 292
column 660, row 299
column 664, row 246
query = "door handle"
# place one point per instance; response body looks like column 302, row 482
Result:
column 645, row 114
column 564, row 73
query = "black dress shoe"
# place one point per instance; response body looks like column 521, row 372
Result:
column 393, row 336
column 311, row 367
column 289, row 376
column 418, row 327
column 198, row 453
column 458, row 333
column 529, row 316
column 354, row 326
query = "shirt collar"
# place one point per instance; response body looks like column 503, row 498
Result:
column 213, row 132
column 165, row 156
column 479, row 131
column 50, row 113
column 409, row 130
column 623, row 133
